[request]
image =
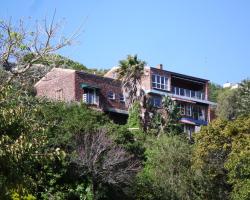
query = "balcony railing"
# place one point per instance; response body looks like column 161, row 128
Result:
column 188, row 93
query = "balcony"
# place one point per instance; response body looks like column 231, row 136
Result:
column 188, row 93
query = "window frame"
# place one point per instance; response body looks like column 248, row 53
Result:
column 159, row 82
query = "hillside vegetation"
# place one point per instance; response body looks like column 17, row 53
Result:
column 67, row 151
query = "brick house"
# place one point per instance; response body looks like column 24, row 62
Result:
column 104, row 93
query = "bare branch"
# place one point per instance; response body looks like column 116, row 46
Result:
column 21, row 48
column 104, row 161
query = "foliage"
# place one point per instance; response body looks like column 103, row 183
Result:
column 36, row 146
column 214, row 91
column 234, row 102
column 238, row 162
column 105, row 162
column 227, row 108
column 134, row 120
column 166, row 118
column 167, row 172
column 243, row 98
column 22, row 47
column 130, row 72
column 220, row 158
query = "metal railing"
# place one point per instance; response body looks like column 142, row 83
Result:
column 188, row 93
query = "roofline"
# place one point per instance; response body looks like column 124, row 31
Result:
column 103, row 77
column 183, row 75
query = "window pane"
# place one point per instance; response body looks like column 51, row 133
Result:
column 181, row 91
column 158, row 79
column 192, row 94
column 153, row 78
column 162, row 80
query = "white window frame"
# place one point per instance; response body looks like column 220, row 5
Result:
column 160, row 82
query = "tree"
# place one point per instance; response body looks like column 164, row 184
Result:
column 214, row 91
column 227, row 107
column 130, row 72
column 166, row 118
column 167, row 172
column 21, row 48
column 238, row 161
column 104, row 162
column 221, row 159
column 134, row 120
column 209, row 155
column 243, row 98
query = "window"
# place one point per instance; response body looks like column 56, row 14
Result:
column 189, row 110
column 182, row 109
column 181, row 91
column 59, row 94
column 156, row 102
column 121, row 98
column 187, row 93
column 192, row 94
column 111, row 95
column 201, row 114
column 159, row 82
column 90, row 98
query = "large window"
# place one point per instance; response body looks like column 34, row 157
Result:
column 189, row 110
column 89, row 97
column 156, row 102
column 159, row 82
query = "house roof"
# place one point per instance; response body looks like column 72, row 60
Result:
column 183, row 75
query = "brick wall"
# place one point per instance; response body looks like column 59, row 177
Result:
column 58, row 84
column 105, row 85
column 146, row 79
column 161, row 73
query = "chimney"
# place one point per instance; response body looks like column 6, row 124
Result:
column 160, row 66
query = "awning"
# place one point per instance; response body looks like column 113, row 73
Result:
column 184, row 100
column 187, row 120
column 87, row 85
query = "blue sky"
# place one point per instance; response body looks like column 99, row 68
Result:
column 205, row 38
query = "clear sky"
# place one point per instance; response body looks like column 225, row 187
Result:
column 205, row 38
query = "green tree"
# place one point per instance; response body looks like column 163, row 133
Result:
column 238, row 161
column 220, row 159
column 167, row 171
column 214, row 91
column 227, row 107
column 243, row 98
column 134, row 120
column 166, row 118
column 130, row 72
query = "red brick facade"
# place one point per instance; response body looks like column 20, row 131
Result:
column 105, row 85
column 65, row 84
column 58, row 84
column 105, row 92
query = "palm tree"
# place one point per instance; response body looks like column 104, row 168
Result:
column 130, row 72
